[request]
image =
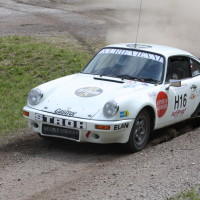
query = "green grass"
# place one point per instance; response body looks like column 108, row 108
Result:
column 192, row 194
column 25, row 63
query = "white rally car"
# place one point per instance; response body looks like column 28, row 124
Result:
column 123, row 94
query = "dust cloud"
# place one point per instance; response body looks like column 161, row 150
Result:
column 170, row 22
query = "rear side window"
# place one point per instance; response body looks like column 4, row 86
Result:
column 195, row 67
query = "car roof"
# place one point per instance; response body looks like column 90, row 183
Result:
column 159, row 49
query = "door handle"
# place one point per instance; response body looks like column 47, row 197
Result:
column 194, row 87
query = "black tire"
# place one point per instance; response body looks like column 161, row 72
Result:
column 140, row 133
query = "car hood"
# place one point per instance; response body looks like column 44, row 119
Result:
column 83, row 95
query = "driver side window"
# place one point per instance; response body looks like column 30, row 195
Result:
column 178, row 68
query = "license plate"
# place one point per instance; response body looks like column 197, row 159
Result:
column 59, row 131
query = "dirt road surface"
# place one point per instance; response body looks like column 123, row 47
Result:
column 32, row 168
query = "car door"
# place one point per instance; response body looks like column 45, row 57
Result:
column 179, row 100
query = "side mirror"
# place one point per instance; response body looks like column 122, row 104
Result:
column 173, row 83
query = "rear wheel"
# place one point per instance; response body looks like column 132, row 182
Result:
column 140, row 132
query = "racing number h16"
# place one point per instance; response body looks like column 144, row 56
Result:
column 180, row 101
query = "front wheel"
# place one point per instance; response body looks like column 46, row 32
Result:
column 140, row 132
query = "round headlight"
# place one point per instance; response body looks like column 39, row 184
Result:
column 34, row 96
column 110, row 109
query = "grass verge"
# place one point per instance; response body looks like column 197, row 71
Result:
column 192, row 194
column 25, row 63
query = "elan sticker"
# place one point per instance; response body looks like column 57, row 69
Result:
column 88, row 91
column 161, row 104
column 121, row 126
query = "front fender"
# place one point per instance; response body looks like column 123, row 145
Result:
column 129, row 107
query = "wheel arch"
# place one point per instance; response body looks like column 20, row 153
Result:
column 152, row 115
column 135, row 142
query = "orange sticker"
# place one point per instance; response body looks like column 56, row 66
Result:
column 161, row 104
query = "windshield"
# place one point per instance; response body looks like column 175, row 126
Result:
column 127, row 63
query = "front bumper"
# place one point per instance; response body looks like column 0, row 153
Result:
column 89, row 130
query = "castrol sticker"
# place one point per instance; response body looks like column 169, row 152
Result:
column 161, row 104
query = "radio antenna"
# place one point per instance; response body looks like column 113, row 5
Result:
column 138, row 26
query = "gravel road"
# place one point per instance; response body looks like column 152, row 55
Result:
column 32, row 168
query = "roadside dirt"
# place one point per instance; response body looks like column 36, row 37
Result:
column 32, row 168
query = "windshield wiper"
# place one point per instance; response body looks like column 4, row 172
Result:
column 108, row 79
column 103, row 75
column 148, row 79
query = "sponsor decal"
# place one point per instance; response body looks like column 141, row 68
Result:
column 193, row 96
column 60, row 121
column 59, row 131
column 161, row 104
column 121, row 126
column 132, row 84
column 124, row 114
column 195, row 73
column 152, row 94
column 88, row 134
column 178, row 113
column 134, row 53
column 67, row 112
column 88, row 91
column 129, row 86
column 146, row 84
